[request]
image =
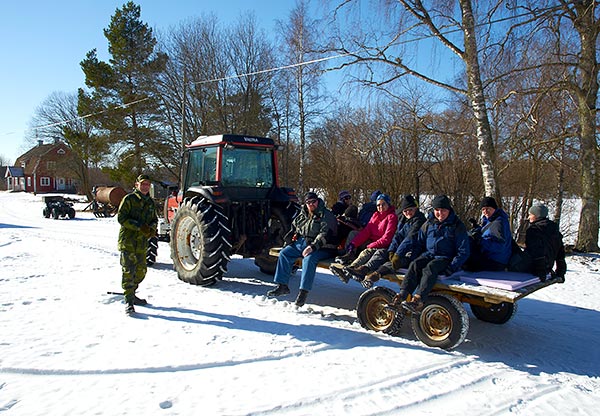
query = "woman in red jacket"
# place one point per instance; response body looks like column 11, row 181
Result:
column 370, row 244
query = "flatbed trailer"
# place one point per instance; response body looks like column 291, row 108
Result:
column 444, row 321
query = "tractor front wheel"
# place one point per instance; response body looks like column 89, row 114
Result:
column 200, row 244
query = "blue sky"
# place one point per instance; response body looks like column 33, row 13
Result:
column 42, row 43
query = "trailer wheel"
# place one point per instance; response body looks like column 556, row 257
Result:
column 443, row 323
column 200, row 242
column 499, row 313
column 71, row 213
column 372, row 314
column 46, row 213
column 152, row 251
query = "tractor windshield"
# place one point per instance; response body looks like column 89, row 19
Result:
column 247, row 167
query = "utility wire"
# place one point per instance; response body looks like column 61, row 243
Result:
column 280, row 68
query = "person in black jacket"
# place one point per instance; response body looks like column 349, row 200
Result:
column 544, row 245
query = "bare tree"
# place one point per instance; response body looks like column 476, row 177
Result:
column 435, row 21
column 57, row 119
column 300, row 43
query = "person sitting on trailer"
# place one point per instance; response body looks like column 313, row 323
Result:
column 312, row 238
column 371, row 242
column 544, row 245
column 405, row 245
column 491, row 241
column 446, row 248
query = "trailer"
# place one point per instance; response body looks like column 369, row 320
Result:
column 444, row 322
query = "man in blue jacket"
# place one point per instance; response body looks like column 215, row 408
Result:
column 491, row 242
column 446, row 248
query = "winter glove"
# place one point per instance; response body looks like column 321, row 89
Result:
column 475, row 234
column 147, row 231
column 396, row 261
column 391, row 255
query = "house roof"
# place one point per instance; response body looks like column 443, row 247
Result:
column 32, row 157
column 14, row 172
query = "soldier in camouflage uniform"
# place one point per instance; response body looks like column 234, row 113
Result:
column 137, row 216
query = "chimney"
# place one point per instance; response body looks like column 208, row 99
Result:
column 40, row 142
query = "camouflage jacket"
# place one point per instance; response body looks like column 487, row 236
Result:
column 135, row 210
column 318, row 229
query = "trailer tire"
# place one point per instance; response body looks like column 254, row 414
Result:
column 71, row 213
column 443, row 323
column 200, row 244
column 372, row 314
column 498, row 314
column 152, row 251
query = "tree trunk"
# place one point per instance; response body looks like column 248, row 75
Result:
column 485, row 143
column 587, row 27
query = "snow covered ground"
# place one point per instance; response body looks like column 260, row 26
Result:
column 67, row 347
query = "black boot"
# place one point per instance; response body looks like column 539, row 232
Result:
column 346, row 259
column 358, row 273
column 301, row 299
column 129, row 310
column 339, row 271
column 139, row 301
column 280, row 290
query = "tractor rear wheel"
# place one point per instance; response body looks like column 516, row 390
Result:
column 200, row 244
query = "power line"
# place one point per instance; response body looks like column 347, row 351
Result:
column 284, row 67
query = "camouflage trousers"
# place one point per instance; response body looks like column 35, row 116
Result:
column 133, row 266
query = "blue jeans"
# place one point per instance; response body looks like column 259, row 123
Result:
column 289, row 255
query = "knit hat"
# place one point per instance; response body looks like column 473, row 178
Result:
column 488, row 201
column 344, row 194
column 441, row 201
column 539, row 210
column 386, row 198
column 142, row 177
column 310, row 195
column 408, row 201
column 375, row 194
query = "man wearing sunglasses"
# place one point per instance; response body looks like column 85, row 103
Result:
column 313, row 238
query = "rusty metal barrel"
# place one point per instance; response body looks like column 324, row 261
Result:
column 110, row 195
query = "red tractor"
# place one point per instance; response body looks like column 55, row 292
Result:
column 230, row 203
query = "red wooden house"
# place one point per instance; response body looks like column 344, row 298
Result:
column 45, row 168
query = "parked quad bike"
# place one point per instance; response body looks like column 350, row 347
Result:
column 56, row 207
column 230, row 203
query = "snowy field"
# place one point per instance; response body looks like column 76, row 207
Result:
column 67, row 347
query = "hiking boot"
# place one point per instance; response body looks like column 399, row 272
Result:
column 280, row 290
column 415, row 305
column 358, row 273
column 301, row 299
column 139, row 301
column 370, row 279
column 339, row 272
column 346, row 259
column 129, row 310
column 396, row 304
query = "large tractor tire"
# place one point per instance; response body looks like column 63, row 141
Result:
column 279, row 225
column 373, row 315
column 200, row 244
column 443, row 323
column 498, row 314
column 152, row 251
